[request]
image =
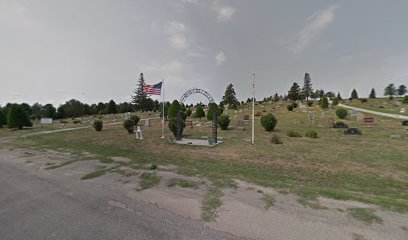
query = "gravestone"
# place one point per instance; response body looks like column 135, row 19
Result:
column 311, row 116
column 241, row 125
column 214, row 127
column 148, row 123
column 139, row 132
column 402, row 110
column 352, row 131
column 126, row 116
column 246, row 118
column 46, row 121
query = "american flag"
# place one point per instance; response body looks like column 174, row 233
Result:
column 154, row 89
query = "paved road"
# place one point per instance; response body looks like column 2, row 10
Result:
column 390, row 115
column 39, row 204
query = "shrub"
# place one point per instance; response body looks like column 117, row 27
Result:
column 224, row 121
column 174, row 108
column 269, row 122
column 258, row 114
column 341, row 113
column 173, row 126
column 199, row 112
column 363, row 100
column 290, row 108
column 340, row 124
column 324, row 103
column 405, row 99
column 212, row 107
column 2, row 118
column 293, row 134
column 17, row 118
column 98, row 125
column 309, row 103
column 188, row 112
column 312, row 134
column 128, row 125
column 76, row 121
column 275, row 139
column 335, row 101
column 294, row 105
column 135, row 119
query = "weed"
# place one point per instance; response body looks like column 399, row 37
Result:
column 366, row 215
column 182, row 183
column 269, row 201
column 210, row 204
column 94, row 174
column 148, row 180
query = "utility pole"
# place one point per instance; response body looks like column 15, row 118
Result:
column 253, row 109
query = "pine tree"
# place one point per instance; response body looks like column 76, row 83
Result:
column 49, row 111
column 17, row 118
column 325, row 103
column 402, row 90
column 199, row 112
column 112, row 109
column 174, row 109
column 338, row 96
column 229, row 97
column 307, row 90
column 294, row 92
column 2, row 118
column 354, row 94
column 140, row 97
column 372, row 94
column 390, row 91
column 276, row 98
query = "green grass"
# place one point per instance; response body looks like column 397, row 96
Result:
column 94, row 174
column 148, row 180
column 268, row 200
column 368, row 168
column 375, row 105
column 210, row 204
column 365, row 215
column 183, row 183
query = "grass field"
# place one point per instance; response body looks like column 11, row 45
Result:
column 381, row 105
column 371, row 168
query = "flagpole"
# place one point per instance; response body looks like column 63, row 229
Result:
column 253, row 109
column 163, row 109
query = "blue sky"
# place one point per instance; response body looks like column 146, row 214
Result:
column 94, row 50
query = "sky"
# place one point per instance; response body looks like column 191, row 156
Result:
column 94, row 50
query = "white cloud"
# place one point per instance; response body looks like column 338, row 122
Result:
column 224, row 13
column 176, row 32
column 220, row 58
column 316, row 23
column 172, row 66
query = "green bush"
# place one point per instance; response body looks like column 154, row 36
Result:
column 405, row 99
column 128, row 125
column 335, row 101
column 309, row 103
column 174, row 108
column 269, row 122
column 2, row 118
column 341, row 113
column 294, row 105
column 98, row 125
column 290, row 108
column 173, row 126
column 224, row 121
column 212, row 107
column 291, row 133
column 363, row 100
column 188, row 112
column 135, row 119
column 340, row 124
column 324, row 103
column 275, row 139
column 199, row 112
column 17, row 118
column 312, row 134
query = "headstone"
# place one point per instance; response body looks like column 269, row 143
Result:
column 246, row 119
column 402, row 110
column 214, row 127
column 352, row 131
column 46, row 120
column 126, row 116
column 148, row 123
column 139, row 133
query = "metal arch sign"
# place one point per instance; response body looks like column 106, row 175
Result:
column 196, row 90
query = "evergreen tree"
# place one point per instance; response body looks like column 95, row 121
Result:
column 324, row 103
column 372, row 93
column 166, row 109
column 307, row 90
column 175, row 107
column 294, row 92
column 212, row 107
column 338, row 96
column 49, row 111
column 36, row 110
column 140, row 98
column 354, row 94
column 17, row 118
column 402, row 90
column 229, row 97
column 199, row 112
column 390, row 91
column 111, row 109
column 2, row 118
column 276, row 98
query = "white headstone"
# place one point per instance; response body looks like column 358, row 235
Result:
column 46, row 120
column 402, row 110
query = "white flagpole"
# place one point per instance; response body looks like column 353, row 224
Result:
column 163, row 109
column 253, row 109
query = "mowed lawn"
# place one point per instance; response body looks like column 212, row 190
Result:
column 371, row 168
column 381, row 105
